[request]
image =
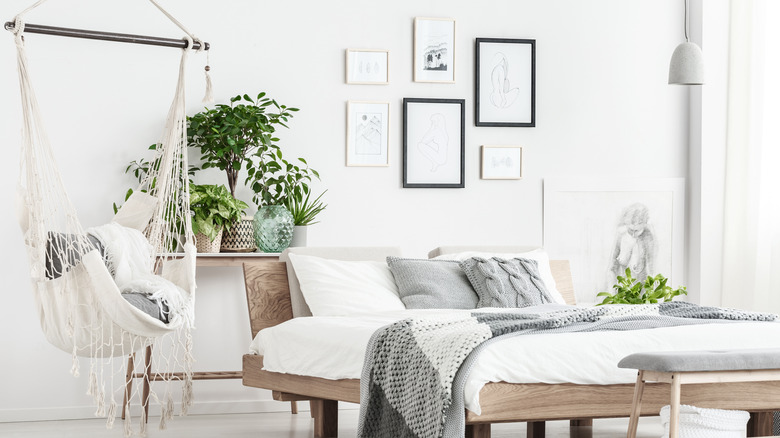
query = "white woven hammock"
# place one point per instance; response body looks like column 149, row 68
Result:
column 79, row 302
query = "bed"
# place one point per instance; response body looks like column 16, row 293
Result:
column 274, row 297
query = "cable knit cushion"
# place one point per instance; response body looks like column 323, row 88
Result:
column 432, row 284
column 506, row 282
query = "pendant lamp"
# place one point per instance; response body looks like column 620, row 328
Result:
column 687, row 65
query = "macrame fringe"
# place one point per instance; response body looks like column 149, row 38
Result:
column 128, row 425
column 143, row 422
column 74, row 369
column 111, row 414
column 209, row 97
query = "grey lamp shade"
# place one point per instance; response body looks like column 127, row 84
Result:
column 687, row 65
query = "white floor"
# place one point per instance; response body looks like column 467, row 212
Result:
column 286, row 425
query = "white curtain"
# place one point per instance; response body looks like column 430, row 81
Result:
column 751, row 260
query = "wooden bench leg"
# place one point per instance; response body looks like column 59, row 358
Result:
column 480, row 430
column 326, row 418
column 128, row 383
column 581, row 428
column 535, row 429
column 581, row 422
column 674, row 407
column 760, row 424
column 294, row 407
column 147, row 381
column 636, row 405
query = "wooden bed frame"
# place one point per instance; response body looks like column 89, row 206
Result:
column 268, row 299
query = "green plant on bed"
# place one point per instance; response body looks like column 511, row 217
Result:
column 629, row 290
column 214, row 209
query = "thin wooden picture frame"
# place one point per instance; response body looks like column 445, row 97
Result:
column 502, row 162
column 367, row 66
column 505, row 82
column 434, row 139
column 434, row 50
column 368, row 132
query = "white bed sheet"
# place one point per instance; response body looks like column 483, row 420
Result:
column 334, row 348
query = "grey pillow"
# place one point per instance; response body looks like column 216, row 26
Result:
column 432, row 284
column 506, row 283
column 63, row 251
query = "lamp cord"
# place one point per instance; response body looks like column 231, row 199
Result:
column 686, row 22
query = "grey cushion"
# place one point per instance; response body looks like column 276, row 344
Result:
column 63, row 251
column 723, row 360
column 506, row 283
column 432, row 284
column 147, row 305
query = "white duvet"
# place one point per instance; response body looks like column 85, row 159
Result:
column 334, row 348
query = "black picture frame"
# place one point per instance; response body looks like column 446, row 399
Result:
column 505, row 82
column 429, row 124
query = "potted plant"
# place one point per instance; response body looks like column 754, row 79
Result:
column 214, row 210
column 629, row 290
column 304, row 213
column 277, row 183
column 233, row 138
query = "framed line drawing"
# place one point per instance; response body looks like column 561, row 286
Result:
column 434, row 50
column 367, row 133
column 605, row 225
column 434, row 143
column 502, row 162
column 368, row 66
column 505, row 86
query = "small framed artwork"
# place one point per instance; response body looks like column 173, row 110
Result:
column 367, row 66
column 505, row 82
column 434, row 143
column 502, row 162
column 367, row 133
column 434, row 50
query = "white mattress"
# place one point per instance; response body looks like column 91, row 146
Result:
column 334, row 348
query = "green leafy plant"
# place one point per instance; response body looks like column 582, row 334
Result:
column 304, row 211
column 275, row 181
column 239, row 135
column 214, row 209
column 629, row 290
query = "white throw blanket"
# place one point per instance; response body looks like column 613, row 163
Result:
column 130, row 259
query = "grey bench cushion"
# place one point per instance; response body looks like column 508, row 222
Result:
column 722, row 360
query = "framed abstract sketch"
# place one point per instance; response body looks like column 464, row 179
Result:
column 367, row 66
column 434, row 50
column 434, row 143
column 502, row 162
column 367, row 133
column 605, row 225
column 505, row 82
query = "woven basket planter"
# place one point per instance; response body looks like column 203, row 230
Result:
column 203, row 244
column 240, row 237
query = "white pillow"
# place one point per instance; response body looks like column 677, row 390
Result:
column 538, row 254
column 341, row 288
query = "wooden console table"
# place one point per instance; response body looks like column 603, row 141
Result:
column 221, row 259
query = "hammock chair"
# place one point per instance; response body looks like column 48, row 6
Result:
column 85, row 280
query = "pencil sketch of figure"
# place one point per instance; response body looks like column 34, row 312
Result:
column 368, row 134
column 505, row 162
column 435, row 142
column 634, row 246
column 503, row 95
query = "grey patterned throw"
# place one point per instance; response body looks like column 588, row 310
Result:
column 415, row 369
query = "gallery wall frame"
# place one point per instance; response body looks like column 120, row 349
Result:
column 434, row 143
column 505, row 82
column 368, row 66
column 502, row 162
column 603, row 225
column 434, row 50
column 368, row 129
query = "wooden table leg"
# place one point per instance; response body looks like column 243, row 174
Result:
column 636, row 405
column 760, row 424
column 128, row 383
column 674, row 407
column 535, row 429
column 480, row 430
column 326, row 418
column 147, row 375
column 294, row 407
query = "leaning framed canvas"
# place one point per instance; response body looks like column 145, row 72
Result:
column 367, row 133
column 502, row 162
column 367, row 66
column 505, row 91
column 434, row 50
column 434, row 143
column 605, row 225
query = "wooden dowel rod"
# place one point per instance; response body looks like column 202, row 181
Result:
column 106, row 36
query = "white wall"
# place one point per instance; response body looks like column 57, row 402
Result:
column 603, row 108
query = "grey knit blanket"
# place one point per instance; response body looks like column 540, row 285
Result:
column 415, row 369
